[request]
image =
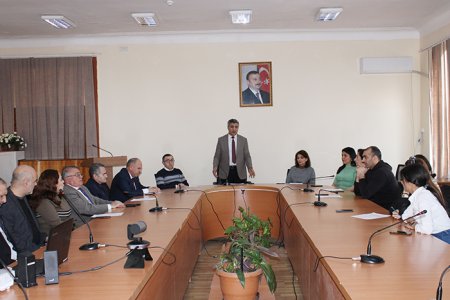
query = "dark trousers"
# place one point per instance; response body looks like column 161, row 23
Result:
column 233, row 177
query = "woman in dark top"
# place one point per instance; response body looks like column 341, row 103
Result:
column 50, row 208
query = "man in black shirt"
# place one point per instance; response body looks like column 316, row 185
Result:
column 18, row 220
column 377, row 183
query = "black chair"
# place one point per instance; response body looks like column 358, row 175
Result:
column 445, row 189
column 397, row 173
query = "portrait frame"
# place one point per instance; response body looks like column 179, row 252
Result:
column 248, row 94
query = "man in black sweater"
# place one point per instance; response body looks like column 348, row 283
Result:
column 377, row 183
column 170, row 177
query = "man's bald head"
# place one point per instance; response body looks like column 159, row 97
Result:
column 23, row 180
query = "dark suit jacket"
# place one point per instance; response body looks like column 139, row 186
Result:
column 249, row 98
column 221, row 160
column 5, row 252
column 18, row 227
column 98, row 190
column 123, row 187
column 85, row 208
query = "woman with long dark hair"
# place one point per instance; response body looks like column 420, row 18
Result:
column 302, row 172
column 51, row 209
column 436, row 221
column 346, row 174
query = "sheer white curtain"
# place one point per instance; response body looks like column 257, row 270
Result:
column 440, row 108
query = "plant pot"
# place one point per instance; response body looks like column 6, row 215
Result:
column 232, row 288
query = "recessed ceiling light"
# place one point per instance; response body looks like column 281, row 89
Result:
column 145, row 19
column 241, row 16
column 60, row 22
column 328, row 14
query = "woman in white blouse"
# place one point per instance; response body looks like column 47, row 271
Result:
column 416, row 180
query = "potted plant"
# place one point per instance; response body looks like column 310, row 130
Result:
column 242, row 262
column 12, row 142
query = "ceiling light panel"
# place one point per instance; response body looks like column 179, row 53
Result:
column 60, row 22
column 145, row 19
column 328, row 14
column 241, row 16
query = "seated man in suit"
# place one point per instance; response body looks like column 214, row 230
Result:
column 80, row 197
column 377, row 182
column 126, row 184
column 17, row 218
column 169, row 177
column 7, row 253
column 97, row 183
column 253, row 94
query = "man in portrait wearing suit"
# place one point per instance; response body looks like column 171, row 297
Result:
column 232, row 157
column 7, row 253
column 126, row 184
column 80, row 197
column 253, row 94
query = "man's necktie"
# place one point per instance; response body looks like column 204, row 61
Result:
column 259, row 97
column 86, row 195
column 233, row 150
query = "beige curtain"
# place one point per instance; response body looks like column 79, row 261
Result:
column 440, row 108
column 11, row 72
column 55, row 106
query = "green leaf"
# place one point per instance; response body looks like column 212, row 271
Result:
column 241, row 277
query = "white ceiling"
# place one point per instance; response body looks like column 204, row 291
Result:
column 21, row 18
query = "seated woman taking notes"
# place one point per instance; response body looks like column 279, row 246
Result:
column 346, row 174
column 436, row 221
column 302, row 172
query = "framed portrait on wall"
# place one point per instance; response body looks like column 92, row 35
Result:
column 255, row 84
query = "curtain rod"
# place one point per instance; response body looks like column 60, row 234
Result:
column 50, row 55
column 435, row 44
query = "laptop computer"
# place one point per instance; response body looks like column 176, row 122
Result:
column 59, row 241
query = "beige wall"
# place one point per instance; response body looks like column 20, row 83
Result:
column 176, row 97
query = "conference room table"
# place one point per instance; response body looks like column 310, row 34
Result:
column 412, row 267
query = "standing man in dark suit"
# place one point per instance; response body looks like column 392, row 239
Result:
column 126, row 184
column 18, row 220
column 253, row 94
column 97, row 183
column 80, row 197
column 7, row 253
column 232, row 157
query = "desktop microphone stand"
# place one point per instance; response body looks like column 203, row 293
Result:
column 307, row 189
column 139, row 252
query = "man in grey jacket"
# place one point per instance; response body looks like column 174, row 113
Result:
column 232, row 157
column 80, row 197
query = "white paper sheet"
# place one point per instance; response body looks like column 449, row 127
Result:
column 118, row 214
column 143, row 199
column 371, row 216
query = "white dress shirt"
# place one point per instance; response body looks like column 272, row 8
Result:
column 435, row 220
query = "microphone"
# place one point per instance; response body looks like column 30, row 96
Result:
column 157, row 207
column 95, row 146
column 439, row 289
column 178, row 189
column 321, row 203
column 375, row 259
column 91, row 245
column 308, row 189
